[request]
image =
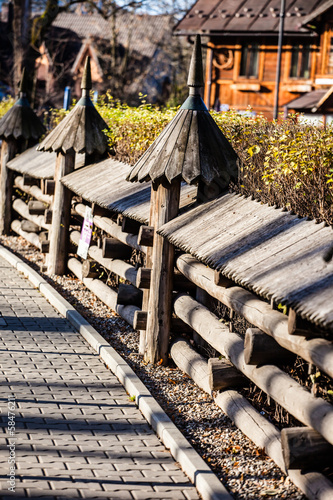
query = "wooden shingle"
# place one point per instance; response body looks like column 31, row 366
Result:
column 21, row 122
column 82, row 129
column 191, row 147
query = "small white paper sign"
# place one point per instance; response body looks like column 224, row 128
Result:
column 86, row 234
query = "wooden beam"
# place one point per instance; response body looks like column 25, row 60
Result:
column 30, row 237
column 36, row 207
column 308, row 409
column 30, row 227
column 34, row 191
column 22, row 208
column 191, row 362
column 119, row 267
column 160, row 297
column 88, row 271
column 221, row 280
column 111, row 228
column 257, row 312
column 177, row 325
column 143, row 278
column 115, row 249
column 48, row 216
column 130, row 226
column 268, row 438
column 260, row 349
column 48, row 187
column 28, row 180
column 59, row 239
column 298, row 325
column 129, row 295
column 103, row 292
column 303, row 448
column 8, row 151
column 223, row 375
column 146, row 236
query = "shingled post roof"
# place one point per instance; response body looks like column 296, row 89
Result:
column 82, row 129
column 191, row 146
column 21, row 122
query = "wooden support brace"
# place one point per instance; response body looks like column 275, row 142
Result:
column 28, row 180
column 130, row 226
column 115, row 249
column 304, row 448
column 177, row 325
column 48, row 216
column 30, row 227
column 223, row 375
column 37, row 207
column 146, row 236
column 191, row 362
column 299, row 326
column 48, row 187
column 88, row 271
column 180, row 283
column 221, row 280
column 143, row 278
column 129, row 295
column 8, row 151
column 260, row 349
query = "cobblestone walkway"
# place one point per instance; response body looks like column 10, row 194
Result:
column 65, row 420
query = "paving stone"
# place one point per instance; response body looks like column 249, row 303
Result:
column 78, row 435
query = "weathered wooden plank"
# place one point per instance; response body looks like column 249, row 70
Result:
column 8, row 151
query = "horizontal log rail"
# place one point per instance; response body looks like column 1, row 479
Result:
column 22, row 209
column 112, row 228
column 316, row 351
column 311, row 411
column 266, row 436
column 33, row 238
column 103, row 292
column 255, row 426
column 116, row 266
column 34, row 191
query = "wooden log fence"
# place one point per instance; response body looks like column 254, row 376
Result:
column 310, row 410
column 317, row 351
column 145, row 302
column 34, row 191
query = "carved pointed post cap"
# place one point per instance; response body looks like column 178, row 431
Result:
column 195, row 74
column 81, row 130
column 20, row 121
column 86, row 77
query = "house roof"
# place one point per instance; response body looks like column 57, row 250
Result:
column 311, row 101
column 226, row 17
column 146, row 30
column 321, row 9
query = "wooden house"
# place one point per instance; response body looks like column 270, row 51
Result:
column 242, row 50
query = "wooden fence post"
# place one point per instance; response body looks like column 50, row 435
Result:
column 79, row 132
column 193, row 149
column 19, row 127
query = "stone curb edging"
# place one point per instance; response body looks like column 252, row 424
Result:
column 206, row 482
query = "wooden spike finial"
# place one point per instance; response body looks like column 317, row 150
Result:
column 86, row 78
column 24, row 83
column 195, row 74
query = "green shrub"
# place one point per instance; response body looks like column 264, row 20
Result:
column 285, row 164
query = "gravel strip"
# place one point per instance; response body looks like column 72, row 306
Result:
column 243, row 468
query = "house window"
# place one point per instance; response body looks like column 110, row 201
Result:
column 330, row 58
column 249, row 60
column 300, row 61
